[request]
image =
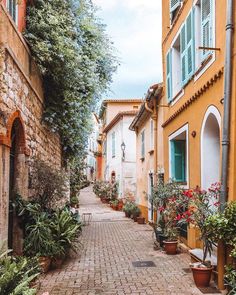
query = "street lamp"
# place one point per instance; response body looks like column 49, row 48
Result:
column 123, row 150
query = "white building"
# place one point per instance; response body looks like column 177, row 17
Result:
column 119, row 147
column 91, row 164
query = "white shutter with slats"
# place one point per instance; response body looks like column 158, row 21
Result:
column 173, row 5
column 206, row 26
column 169, row 75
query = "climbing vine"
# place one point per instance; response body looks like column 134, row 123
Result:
column 76, row 60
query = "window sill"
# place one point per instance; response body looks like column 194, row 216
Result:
column 151, row 152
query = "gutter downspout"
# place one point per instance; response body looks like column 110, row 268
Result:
column 227, row 104
column 221, row 252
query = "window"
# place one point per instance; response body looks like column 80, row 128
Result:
column 151, row 135
column 180, row 59
column 12, row 9
column 204, row 34
column 174, row 7
column 143, row 144
column 113, row 140
column 178, row 156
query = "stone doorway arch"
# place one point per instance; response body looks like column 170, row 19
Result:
column 210, row 147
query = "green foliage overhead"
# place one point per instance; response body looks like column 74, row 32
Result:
column 75, row 57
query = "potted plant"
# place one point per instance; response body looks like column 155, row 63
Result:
column 114, row 204
column 39, row 241
column 171, row 234
column 203, row 204
column 128, row 208
column 135, row 212
column 120, row 204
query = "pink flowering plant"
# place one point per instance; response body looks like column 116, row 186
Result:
column 202, row 204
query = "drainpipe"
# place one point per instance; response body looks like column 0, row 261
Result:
column 227, row 104
column 221, row 252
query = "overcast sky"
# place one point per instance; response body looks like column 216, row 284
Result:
column 135, row 28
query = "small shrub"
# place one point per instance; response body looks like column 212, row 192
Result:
column 48, row 185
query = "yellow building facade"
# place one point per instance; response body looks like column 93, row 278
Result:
column 195, row 67
column 149, row 149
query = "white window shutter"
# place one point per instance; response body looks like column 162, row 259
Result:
column 169, row 75
column 174, row 4
column 206, row 25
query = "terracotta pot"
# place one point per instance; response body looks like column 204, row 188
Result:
column 57, row 262
column 202, row 276
column 44, row 262
column 120, row 205
column 127, row 214
column 103, row 200
column 140, row 220
column 170, row 247
column 135, row 218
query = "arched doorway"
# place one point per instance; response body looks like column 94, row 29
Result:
column 12, row 185
column 210, row 148
column 17, row 179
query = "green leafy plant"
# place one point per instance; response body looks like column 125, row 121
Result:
column 39, row 240
column 106, row 190
column 222, row 226
column 16, row 274
column 65, row 229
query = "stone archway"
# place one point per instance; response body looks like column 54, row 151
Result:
column 210, row 148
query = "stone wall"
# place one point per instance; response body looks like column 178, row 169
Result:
column 21, row 111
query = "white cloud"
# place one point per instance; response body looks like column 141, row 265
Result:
column 135, row 27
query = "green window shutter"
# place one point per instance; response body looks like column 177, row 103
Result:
column 174, row 4
column 113, row 145
column 178, row 154
column 169, row 75
column 206, row 26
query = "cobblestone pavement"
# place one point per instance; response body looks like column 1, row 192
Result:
column 110, row 244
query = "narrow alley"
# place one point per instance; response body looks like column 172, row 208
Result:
column 111, row 244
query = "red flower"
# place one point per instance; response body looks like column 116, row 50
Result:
column 217, row 204
column 161, row 208
column 178, row 217
column 188, row 194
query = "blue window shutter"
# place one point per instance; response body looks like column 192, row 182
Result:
column 169, row 75
column 178, row 154
column 183, row 55
column 172, row 158
column 174, row 4
column 206, row 26
column 190, row 45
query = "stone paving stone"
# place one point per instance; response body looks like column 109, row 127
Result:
column 110, row 244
